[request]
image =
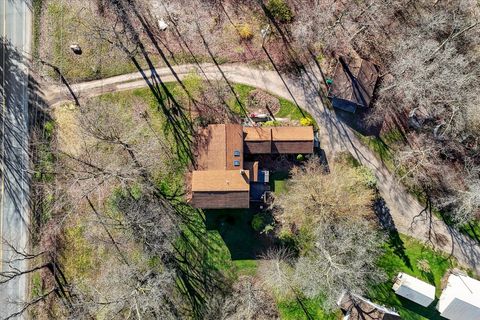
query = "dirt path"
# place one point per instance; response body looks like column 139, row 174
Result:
column 335, row 136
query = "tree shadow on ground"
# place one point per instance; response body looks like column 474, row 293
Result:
column 386, row 222
column 360, row 122
column 235, row 228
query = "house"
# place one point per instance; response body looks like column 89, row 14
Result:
column 460, row 299
column 414, row 289
column 224, row 180
column 355, row 307
column 353, row 84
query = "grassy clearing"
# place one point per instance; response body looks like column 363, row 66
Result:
column 405, row 254
column 62, row 23
column 37, row 288
column 278, row 181
column 246, row 267
column 288, row 109
column 66, row 23
column 242, row 91
column 298, row 309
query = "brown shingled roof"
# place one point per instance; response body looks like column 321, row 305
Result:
column 257, row 133
column 220, row 180
column 223, row 141
column 292, row 133
column 354, row 80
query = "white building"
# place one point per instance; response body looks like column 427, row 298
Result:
column 460, row 300
column 414, row 289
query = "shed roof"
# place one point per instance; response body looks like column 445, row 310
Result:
column 414, row 289
column 461, row 298
column 257, row 133
column 292, row 133
column 354, row 81
column 220, row 180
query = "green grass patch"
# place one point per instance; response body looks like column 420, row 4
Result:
column 288, row 109
column 304, row 309
column 239, row 105
column 246, row 267
column 278, row 181
column 37, row 287
column 67, row 23
column 393, row 136
column 405, row 254
column 472, row 229
column 380, row 148
column 79, row 255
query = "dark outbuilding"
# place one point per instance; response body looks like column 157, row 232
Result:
column 353, row 84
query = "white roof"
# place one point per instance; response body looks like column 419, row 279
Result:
column 461, row 298
column 414, row 289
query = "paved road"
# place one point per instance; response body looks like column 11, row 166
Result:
column 335, row 136
column 15, row 30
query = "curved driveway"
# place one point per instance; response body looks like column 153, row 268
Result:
column 334, row 134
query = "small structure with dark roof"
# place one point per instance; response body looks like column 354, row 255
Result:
column 356, row 307
column 353, row 84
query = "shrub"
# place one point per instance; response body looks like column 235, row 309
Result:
column 257, row 222
column 245, row 31
column 280, row 10
column 367, row 176
column 306, row 122
column 271, row 124
column 300, row 157
column 423, row 265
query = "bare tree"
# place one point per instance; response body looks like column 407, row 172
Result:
column 314, row 196
column 247, row 300
column 276, row 271
column 343, row 257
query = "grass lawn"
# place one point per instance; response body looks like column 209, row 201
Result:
column 402, row 255
column 58, row 24
column 245, row 267
column 380, row 148
column 472, row 229
column 298, row 309
column 235, row 228
column 288, row 109
column 278, row 181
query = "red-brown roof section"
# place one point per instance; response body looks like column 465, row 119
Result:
column 224, row 141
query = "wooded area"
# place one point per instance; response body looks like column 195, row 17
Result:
column 113, row 235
